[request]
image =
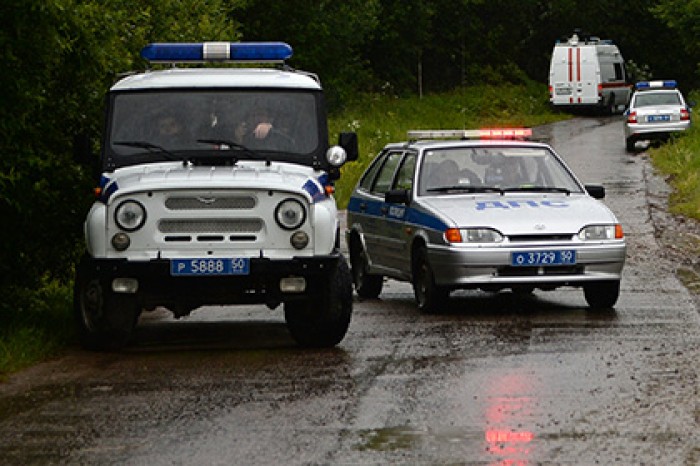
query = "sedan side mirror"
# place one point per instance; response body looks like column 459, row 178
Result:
column 596, row 191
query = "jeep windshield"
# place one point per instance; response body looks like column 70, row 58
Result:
column 191, row 124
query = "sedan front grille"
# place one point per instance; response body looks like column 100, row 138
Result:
column 534, row 238
column 540, row 271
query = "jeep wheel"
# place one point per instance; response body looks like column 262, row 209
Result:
column 367, row 285
column 429, row 296
column 320, row 323
column 603, row 294
column 105, row 319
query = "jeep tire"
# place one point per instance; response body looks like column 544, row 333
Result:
column 323, row 322
column 105, row 319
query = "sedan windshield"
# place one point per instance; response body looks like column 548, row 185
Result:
column 186, row 121
column 489, row 169
column 649, row 99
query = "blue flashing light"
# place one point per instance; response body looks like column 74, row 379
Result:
column 217, row 51
column 667, row 84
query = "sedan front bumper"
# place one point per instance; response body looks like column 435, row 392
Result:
column 491, row 267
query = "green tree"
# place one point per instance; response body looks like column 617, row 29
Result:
column 327, row 37
column 60, row 56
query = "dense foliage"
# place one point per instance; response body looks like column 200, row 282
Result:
column 60, row 56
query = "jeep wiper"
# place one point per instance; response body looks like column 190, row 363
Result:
column 232, row 145
column 153, row 148
column 546, row 189
column 466, row 189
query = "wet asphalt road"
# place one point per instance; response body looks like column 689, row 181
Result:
column 491, row 380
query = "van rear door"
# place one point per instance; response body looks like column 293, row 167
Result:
column 574, row 75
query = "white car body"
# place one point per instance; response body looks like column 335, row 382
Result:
column 201, row 202
column 657, row 110
column 491, row 215
column 588, row 73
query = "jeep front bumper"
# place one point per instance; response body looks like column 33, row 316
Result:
column 269, row 281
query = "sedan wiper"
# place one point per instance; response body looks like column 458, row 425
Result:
column 545, row 189
column 154, row 148
column 465, row 189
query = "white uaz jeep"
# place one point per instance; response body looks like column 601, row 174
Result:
column 216, row 189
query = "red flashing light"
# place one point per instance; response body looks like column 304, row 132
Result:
column 505, row 133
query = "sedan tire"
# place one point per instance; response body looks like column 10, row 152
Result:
column 603, row 294
column 429, row 296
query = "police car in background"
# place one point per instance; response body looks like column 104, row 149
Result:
column 484, row 209
column 202, row 202
column 657, row 110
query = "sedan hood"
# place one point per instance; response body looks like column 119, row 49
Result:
column 514, row 214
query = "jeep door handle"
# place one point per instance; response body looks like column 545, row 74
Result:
column 384, row 210
column 363, row 207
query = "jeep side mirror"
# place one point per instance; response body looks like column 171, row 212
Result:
column 348, row 141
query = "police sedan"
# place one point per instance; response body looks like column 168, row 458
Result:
column 657, row 110
column 481, row 209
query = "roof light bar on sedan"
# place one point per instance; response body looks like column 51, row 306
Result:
column 667, row 84
column 487, row 133
column 259, row 52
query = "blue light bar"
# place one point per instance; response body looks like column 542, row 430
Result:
column 667, row 84
column 217, row 51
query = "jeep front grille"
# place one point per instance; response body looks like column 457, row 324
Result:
column 196, row 226
column 210, row 202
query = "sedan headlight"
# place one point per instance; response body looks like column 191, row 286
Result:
column 601, row 232
column 473, row 235
column 130, row 215
column 290, row 214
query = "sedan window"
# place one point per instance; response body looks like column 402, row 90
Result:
column 649, row 99
column 484, row 169
column 386, row 173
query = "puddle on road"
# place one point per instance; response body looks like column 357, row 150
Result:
column 498, row 444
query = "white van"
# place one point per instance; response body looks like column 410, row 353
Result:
column 587, row 72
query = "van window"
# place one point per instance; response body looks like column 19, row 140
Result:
column 619, row 72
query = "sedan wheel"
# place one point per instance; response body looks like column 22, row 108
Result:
column 429, row 296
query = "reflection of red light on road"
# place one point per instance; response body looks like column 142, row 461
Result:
column 510, row 446
column 500, row 436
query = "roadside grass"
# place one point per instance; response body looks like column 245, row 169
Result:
column 380, row 119
column 34, row 325
column 680, row 160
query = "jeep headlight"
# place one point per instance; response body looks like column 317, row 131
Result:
column 601, row 232
column 290, row 214
column 130, row 215
column 336, row 156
